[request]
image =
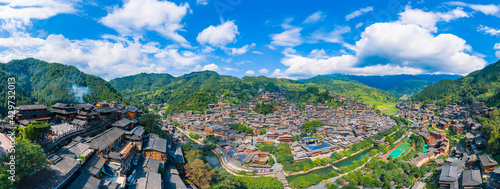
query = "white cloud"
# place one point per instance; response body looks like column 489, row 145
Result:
column 428, row 20
column 263, row 71
column 163, row 17
column 257, row 52
column 388, row 48
column 335, row 36
column 288, row 38
column 488, row 30
column 210, row 67
column 243, row 62
column 485, row 9
column 249, row 72
column 26, row 10
column 497, row 47
column 98, row 57
column 230, row 69
column 313, row 18
column 239, row 51
column 359, row 25
column 220, row 35
column 358, row 13
column 201, row 2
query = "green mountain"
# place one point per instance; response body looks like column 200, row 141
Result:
column 481, row 85
column 353, row 89
column 47, row 83
column 196, row 90
column 397, row 85
column 409, row 87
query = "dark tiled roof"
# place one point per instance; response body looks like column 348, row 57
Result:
column 449, row 174
column 50, row 176
column 31, row 107
column 106, row 138
column 156, row 144
column 471, row 178
column 94, row 165
column 487, row 160
column 85, row 181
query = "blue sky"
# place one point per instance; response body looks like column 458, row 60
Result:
column 116, row 38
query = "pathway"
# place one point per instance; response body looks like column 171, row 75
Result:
column 322, row 184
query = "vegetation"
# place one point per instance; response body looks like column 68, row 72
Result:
column 32, row 130
column 482, row 85
column 151, row 124
column 194, row 91
column 47, row 83
column 200, row 173
column 29, row 157
column 491, row 128
column 310, row 126
column 353, row 89
column 310, row 179
column 194, row 135
column 5, row 182
column 264, row 108
column 241, row 128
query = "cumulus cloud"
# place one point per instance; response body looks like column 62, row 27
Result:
column 210, row 67
column 26, row 10
column 287, row 38
column 263, row 71
column 485, row 9
column 249, row 72
column 257, row 52
column 389, row 48
column 358, row 13
column 429, row 19
column 313, row 18
column 239, row 51
column 124, row 57
column 497, row 47
column 488, row 30
column 220, row 35
column 134, row 16
column 334, row 36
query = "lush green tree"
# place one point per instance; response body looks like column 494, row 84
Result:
column 264, row 108
column 5, row 182
column 262, row 131
column 29, row 158
column 151, row 124
column 194, row 135
column 310, row 125
column 223, row 180
column 33, row 130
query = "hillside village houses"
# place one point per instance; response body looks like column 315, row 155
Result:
column 464, row 168
column 344, row 126
column 106, row 159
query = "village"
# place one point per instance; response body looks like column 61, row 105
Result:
column 103, row 145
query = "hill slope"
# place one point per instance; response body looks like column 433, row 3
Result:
column 355, row 90
column 196, row 90
column 47, row 83
column 481, row 85
column 397, row 85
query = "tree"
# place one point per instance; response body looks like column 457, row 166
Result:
column 389, row 139
column 33, row 130
column 29, row 157
column 309, row 126
column 223, row 180
column 199, row 173
column 270, row 161
column 194, row 135
column 5, row 182
column 262, row 131
column 151, row 124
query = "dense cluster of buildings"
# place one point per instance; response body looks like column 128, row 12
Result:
column 343, row 126
column 464, row 169
column 121, row 156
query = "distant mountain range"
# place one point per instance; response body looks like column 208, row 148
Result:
column 397, row 85
column 481, row 85
column 46, row 83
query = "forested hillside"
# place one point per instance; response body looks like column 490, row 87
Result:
column 196, row 90
column 397, row 85
column 353, row 89
column 47, row 83
column 481, row 85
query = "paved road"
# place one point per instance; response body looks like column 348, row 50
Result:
column 4, row 144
